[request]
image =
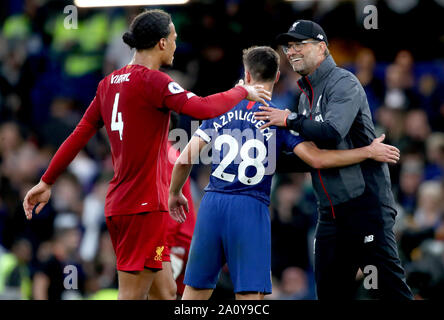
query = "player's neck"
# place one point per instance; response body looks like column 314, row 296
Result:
column 147, row 59
column 267, row 85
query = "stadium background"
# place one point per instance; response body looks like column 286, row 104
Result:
column 49, row 74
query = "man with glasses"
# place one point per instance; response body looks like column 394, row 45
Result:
column 355, row 203
column 238, row 193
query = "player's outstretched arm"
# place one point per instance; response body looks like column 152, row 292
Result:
column 40, row 195
column 214, row 105
column 322, row 159
column 177, row 203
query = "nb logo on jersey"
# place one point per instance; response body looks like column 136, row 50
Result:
column 318, row 105
column 119, row 78
column 319, row 118
column 368, row 238
column 294, row 26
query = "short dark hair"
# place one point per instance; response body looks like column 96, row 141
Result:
column 261, row 62
column 147, row 29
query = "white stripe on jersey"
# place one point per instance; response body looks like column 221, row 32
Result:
column 203, row 135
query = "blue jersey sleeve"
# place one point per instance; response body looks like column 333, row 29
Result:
column 289, row 139
column 206, row 131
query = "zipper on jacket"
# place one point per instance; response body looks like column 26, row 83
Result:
column 310, row 101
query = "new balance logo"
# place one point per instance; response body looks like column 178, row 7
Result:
column 294, row 26
column 368, row 238
column 318, row 105
column 319, row 118
column 119, row 78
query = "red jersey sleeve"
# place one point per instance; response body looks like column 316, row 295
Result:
column 212, row 106
column 86, row 128
column 93, row 115
column 171, row 95
column 162, row 87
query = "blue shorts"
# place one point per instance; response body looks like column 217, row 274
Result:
column 233, row 229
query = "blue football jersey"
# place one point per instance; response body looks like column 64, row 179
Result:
column 244, row 158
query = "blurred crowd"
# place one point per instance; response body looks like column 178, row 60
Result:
column 49, row 74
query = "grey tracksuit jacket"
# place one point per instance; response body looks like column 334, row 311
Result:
column 334, row 95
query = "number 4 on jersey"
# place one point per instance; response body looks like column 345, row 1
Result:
column 116, row 118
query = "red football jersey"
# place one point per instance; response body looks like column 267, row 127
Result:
column 133, row 103
column 130, row 102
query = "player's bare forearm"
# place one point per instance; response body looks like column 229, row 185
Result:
column 184, row 164
column 342, row 158
column 322, row 159
column 377, row 151
column 179, row 176
column 177, row 203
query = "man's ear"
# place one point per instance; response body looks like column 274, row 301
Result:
column 323, row 46
column 278, row 75
column 162, row 43
column 247, row 77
